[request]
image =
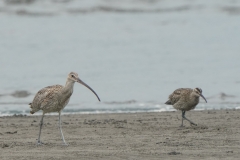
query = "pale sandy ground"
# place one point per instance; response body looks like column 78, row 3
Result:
column 132, row 136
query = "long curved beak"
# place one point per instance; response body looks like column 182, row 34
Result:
column 203, row 97
column 81, row 82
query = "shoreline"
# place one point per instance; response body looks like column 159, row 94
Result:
column 39, row 113
column 145, row 135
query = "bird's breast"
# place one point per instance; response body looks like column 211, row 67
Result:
column 64, row 98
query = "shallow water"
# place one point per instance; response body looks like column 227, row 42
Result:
column 132, row 60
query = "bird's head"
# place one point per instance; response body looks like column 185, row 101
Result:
column 198, row 93
column 74, row 78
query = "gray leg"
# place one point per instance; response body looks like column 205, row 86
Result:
column 60, row 127
column 183, row 116
column 39, row 135
column 183, row 112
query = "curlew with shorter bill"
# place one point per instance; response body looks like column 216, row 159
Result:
column 185, row 99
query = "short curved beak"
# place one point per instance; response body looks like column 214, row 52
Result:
column 203, row 97
column 81, row 82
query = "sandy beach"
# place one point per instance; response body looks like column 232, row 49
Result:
column 124, row 136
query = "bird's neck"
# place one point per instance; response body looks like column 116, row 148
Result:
column 195, row 97
column 68, row 88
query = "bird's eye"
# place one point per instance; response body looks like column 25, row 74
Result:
column 72, row 76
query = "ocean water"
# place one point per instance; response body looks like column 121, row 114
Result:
column 132, row 53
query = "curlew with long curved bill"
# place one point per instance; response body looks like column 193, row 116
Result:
column 54, row 99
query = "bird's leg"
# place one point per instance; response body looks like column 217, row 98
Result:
column 60, row 127
column 183, row 116
column 41, row 123
column 183, row 112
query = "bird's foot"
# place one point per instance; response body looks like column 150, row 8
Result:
column 193, row 124
column 65, row 144
column 39, row 143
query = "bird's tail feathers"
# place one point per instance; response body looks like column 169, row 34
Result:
column 32, row 112
column 168, row 102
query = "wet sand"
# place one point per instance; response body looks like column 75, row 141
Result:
column 124, row 136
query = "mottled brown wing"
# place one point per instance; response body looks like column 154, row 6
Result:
column 45, row 96
column 177, row 94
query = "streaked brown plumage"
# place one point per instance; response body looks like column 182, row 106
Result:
column 54, row 99
column 185, row 99
column 47, row 98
